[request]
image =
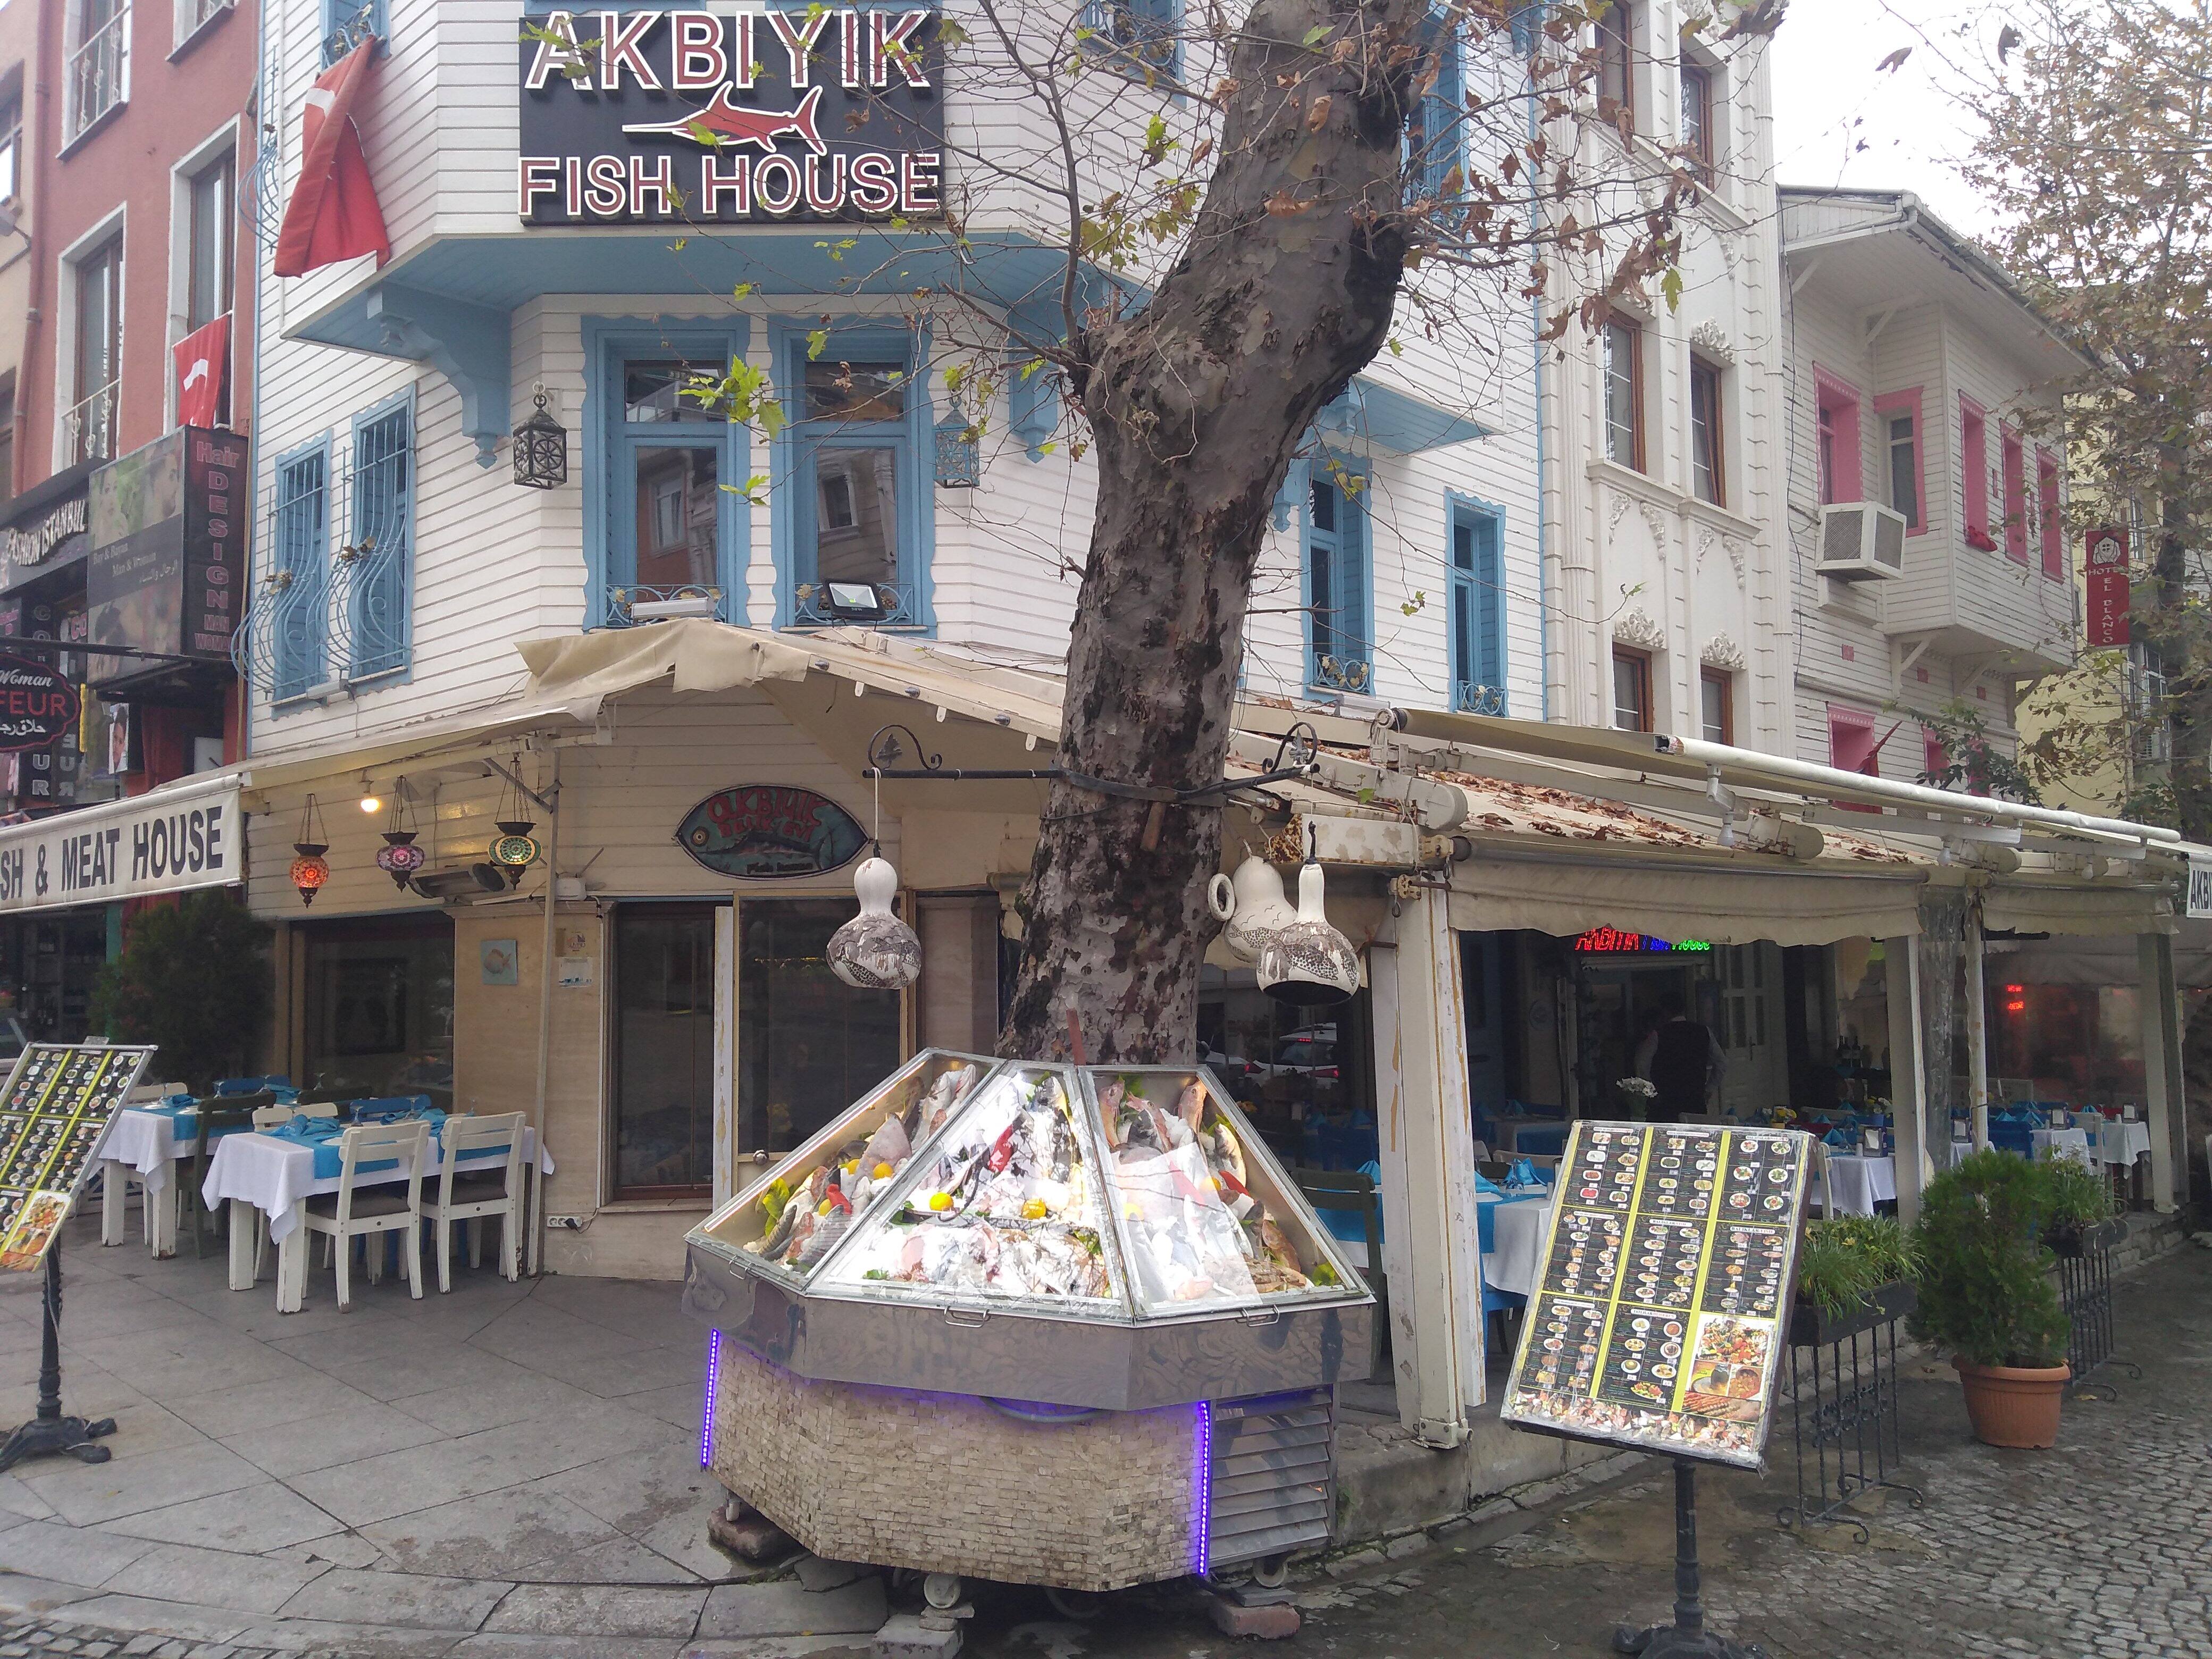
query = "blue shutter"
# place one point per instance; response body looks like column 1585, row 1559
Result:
column 298, row 617
column 380, row 546
column 1477, row 611
column 1338, row 654
column 1443, row 111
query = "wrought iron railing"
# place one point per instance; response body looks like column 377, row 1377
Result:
column 373, row 570
column 364, row 23
column 98, row 71
column 1143, row 37
column 1332, row 674
column 193, row 14
column 810, row 608
column 1468, row 698
column 88, row 429
column 1842, row 1392
column 620, row 610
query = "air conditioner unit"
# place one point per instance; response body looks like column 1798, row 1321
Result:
column 459, row 884
column 1860, row 540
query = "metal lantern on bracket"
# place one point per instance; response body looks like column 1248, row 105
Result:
column 400, row 858
column 541, row 450
column 310, row 869
column 959, row 451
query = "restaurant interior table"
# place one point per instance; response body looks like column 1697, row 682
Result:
column 2121, row 1142
column 1857, row 1182
column 1540, row 1137
column 276, row 1176
column 1511, row 1228
column 2061, row 1143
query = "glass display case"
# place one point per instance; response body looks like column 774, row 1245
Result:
column 1112, row 1237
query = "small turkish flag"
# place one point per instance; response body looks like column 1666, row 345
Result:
column 202, row 364
column 333, row 214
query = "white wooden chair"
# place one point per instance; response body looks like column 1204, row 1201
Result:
column 487, row 1187
column 318, row 1108
column 273, row 1117
column 363, row 1209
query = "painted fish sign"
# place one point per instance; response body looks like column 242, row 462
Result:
column 650, row 117
column 767, row 830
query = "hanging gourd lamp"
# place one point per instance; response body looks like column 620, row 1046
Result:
column 400, row 858
column 1309, row 962
column 875, row 950
column 310, row 869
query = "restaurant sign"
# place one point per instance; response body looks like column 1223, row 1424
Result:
column 1612, row 941
column 2199, row 898
column 767, row 830
column 165, row 842
column 649, row 117
column 1662, row 1307
column 34, row 543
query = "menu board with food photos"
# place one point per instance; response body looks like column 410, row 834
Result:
column 54, row 1112
column 1661, row 1312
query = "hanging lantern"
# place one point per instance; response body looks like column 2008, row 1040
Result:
column 875, row 950
column 1309, row 962
column 400, row 858
column 310, row 869
column 514, row 849
column 541, row 450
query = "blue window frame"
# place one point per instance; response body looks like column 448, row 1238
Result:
column 1477, row 608
column 853, row 502
column 346, row 23
column 1140, row 37
column 379, row 550
column 1338, row 656
column 299, row 611
column 1434, row 130
column 666, row 514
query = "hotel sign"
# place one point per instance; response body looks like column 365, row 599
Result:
column 819, row 115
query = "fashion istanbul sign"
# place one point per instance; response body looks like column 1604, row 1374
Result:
column 826, row 114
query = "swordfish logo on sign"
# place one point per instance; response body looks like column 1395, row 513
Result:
column 821, row 114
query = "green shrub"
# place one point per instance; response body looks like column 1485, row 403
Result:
column 2075, row 1196
column 1845, row 1259
column 194, row 980
column 1985, row 1292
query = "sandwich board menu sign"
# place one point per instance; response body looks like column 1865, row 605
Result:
column 54, row 1112
column 1664, row 1298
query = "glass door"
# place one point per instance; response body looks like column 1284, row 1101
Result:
column 663, row 997
column 379, row 1009
column 809, row 1045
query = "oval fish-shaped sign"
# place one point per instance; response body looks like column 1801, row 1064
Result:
column 757, row 831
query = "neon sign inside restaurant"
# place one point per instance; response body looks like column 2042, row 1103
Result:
column 1613, row 939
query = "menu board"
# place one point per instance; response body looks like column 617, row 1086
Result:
column 1660, row 1314
column 54, row 1112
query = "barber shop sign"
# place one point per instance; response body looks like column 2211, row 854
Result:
column 828, row 114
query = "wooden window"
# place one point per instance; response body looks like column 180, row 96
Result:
column 2015, row 496
column 1716, row 705
column 1698, row 119
column 1339, row 656
column 11, row 147
column 90, row 428
column 2050, row 515
column 1852, row 743
column 1708, row 462
column 210, row 257
column 1837, row 457
column 1478, row 622
column 1631, row 689
column 1624, row 394
column 1616, row 62
column 1903, row 479
column 1974, row 474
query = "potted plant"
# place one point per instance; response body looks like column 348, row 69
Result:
column 2078, row 1208
column 1637, row 1094
column 1854, row 1273
column 1985, row 1295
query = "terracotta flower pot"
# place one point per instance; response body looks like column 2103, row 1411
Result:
column 2014, row 1406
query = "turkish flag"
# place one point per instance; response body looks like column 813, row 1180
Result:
column 333, row 214
column 203, row 362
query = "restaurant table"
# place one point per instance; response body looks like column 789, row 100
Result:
column 1858, row 1182
column 144, row 1144
column 1512, row 1255
column 2121, row 1142
column 276, row 1176
column 2061, row 1143
column 1546, row 1137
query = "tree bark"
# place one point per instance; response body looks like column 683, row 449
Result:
column 1196, row 404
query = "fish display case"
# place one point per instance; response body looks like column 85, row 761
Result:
column 1095, row 1276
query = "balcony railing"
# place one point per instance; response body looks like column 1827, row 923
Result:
column 98, row 74
column 88, row 430
column 1468, row 698
column 1331, row 673
column 193, row 15
column 661, row 604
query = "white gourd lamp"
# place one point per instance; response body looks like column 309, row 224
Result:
column 1309, row 962
column 875, row 950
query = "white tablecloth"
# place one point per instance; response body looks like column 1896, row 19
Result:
column 2122, row 1143
column 1517, row 1237
column 2061, row 1143
column 1859, row 1182
column 274, row 1175
column 149, row 1144
column 1509, row 1128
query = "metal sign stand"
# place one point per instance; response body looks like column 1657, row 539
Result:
column 1687, row 1636
column 50, row 1434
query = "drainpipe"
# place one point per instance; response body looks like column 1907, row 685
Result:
column 545, row 1002
column 1543, row 522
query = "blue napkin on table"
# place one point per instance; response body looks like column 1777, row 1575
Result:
column 1482, row 1183
column 1524, row 1173
column 1838, row 1138
column 308, row 1131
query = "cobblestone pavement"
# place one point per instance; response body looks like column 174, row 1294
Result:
column 2097, row 1550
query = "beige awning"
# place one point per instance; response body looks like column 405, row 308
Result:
column 2076, row 911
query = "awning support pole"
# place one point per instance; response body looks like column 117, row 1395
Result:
column 2158, row 1008
column 1901, row 971
column 545, row 1000
column 1430, row 1252
column 1978, row 1030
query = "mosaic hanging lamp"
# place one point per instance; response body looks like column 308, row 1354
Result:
column 514, row 849
column 400, row 858
column 310, row 869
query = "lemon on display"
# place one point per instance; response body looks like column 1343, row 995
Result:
column 1034, row 1210
column 941, row 1202
column 881, row 1172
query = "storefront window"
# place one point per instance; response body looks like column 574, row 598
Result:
column 379, row 1009
column 808, row 1044
column 1301, row 1074
column 664, row 1049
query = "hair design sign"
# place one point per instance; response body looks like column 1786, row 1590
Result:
column 650, row 117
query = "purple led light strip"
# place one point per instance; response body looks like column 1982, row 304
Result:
column 1203, row 1521
column 714, row 1375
